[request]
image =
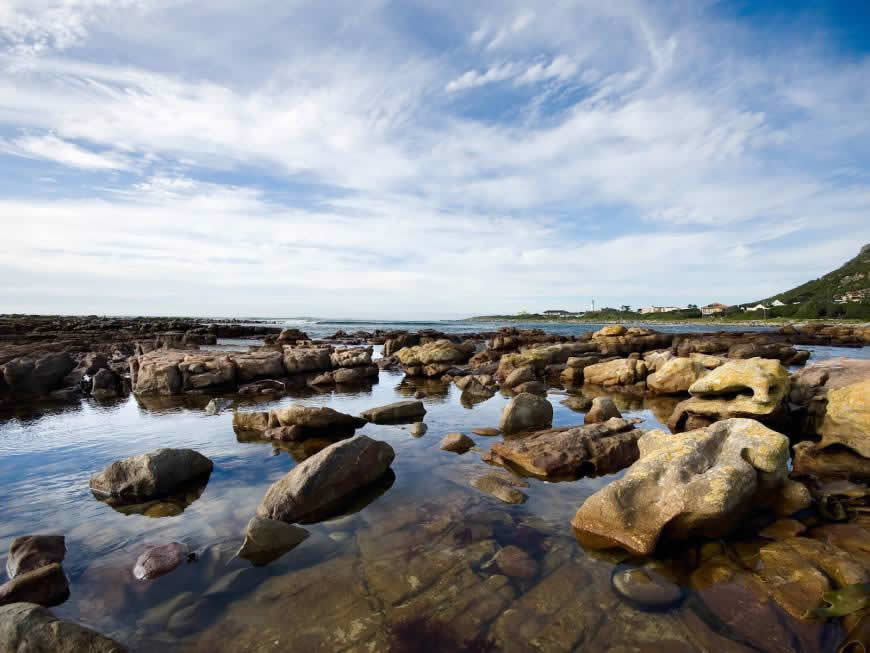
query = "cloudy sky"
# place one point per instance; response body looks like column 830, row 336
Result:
column 419, row 158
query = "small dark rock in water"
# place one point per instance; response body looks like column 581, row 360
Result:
column 500, row 488
column 483, row 430
column 267, row 540
column 457, row 443
column 160, row 560
column 419, row 429
column 512, row 561
column 645, row 589
column 34, row 551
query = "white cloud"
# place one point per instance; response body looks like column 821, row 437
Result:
column 51, row 148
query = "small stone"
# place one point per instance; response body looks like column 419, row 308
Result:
column 457, row 443
column 418, row 429
column 419, row 394
column 486, row 431
column 512, row 561
column 645, row 588
column 160, row 560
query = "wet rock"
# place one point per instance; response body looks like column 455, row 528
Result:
column 531, row 387
column 267, row 540
column 783, row 529
column 676, row 376
column 46, row 585
column 847, row 418
column 645, row 588
column 105, row 384
column 255, row 422
column 267, row 386
column 513, row 562
column 152, row 474
column 34, row 551
column 307, row 359
column 351, row 357
column 215, row 406
column 519, row 376
column 315, row 488
column 263, row 364
column 700, row 482
column 419, row 429
column 754, row 388
column 525, row 412
column 315, row 420
column 434, row 358
column 39, row 375
column 396, row 412
column 572, row 451
column 457, row 443
column 580, row 404
column 602, row 409
column 25, row 627
column 160, row 560
column 619, row 372
column 499, row 487
column 486, row 431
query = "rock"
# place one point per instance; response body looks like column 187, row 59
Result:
column 307, row 359
column 783, row 529
column 284, row 433
column 263, row 364
column 316, row 487
column 810, row 459
column 215, row 406
column 157, row 373
column 619, row 372
column 267, row 386
column 411, row 409
column 26, row 628
column 255, row 422
column 700, row 482
column 419, row 429
column 419, row 394
column 38, row 375
column 438, row 353
column 46, row 585
column 655, row 360
column 152, row 474
column 267, row 540
column 753, row 388
column 34, row 551
column 847, row 418
column 486, row 431
column 357, row 357
column 573, row 451
column 291, row 336
column 105, row 384
column 513, row 562
column 526, row 412
column 676, row 376
column 499, row 487
column 457, row 443
column 645, row 588
column 315, row 420
column 531, row 387
column 602, row 410
column 519, row 376
column 609, row 331
column 355, row 375
column 160, row 560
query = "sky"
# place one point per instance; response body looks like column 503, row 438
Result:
column 425, row 159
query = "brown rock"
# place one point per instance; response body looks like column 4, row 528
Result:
column 45, row 585
column 457, row 443
column 526, row 412
column 602, row 410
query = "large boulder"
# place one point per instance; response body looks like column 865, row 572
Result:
column 619, row 372
column 315, row 420
column 397, row 412
column 34, row 551
column 676, row 376
column 157, row 373
column 46, row 585
column 38, row 375
column 700, row 482
column 318, row 487
column 571, row 452
column 355, row 357
column 847, row 418
column 526, row 412
column 754, row 388
column 434, row 358
column 154, row 474
column 29, row 628
column 307, row 359
column 263, row 364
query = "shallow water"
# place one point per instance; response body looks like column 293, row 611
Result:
column 415, row 555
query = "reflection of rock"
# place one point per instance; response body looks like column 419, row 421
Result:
column 569, row 452
column 698, row 482
column 34, row 551
column 169, row 505
column 26, row 627
column 396, row 412
column 45, row 585
column 152, row 474
column 317, row 487
column 160, row 560
column 267, row 540
column 525, row 412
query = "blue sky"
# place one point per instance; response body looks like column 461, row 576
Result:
column 425, row 159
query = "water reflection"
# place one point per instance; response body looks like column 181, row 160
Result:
column 168, row 506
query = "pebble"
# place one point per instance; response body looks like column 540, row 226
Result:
column 645, row 588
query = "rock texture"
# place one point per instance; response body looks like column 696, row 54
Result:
column 28, row 628
column 317, row 487
column 676, row 376
column 153, row 474
column 847, row 418
column 572, row 452
column 46, row 585
column 698, row 482
column 456, row 442
column 526, row 412
column 434, row 358
column 399, row 411
column 34, row 551
column 619, row 372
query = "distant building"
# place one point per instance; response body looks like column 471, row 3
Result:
column 853, row 296
column 776, row 302
column 658, row 309
column 713, row 309
column 560, row 312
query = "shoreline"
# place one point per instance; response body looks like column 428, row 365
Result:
column 773, row 322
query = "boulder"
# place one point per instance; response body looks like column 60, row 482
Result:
column 519, row 376
column 315, row 420
column 267, row 540
column 105, row 384
column 263, row 364
column 610, row 331
column 602, row 410
column 200, row 371
column 434, row 358
column 157, row 373
column 255, row 422
column 657, row 358
column 847, row 418
column 456, row 442
column 619, row 372
column 317, row 487
column 701, row 482
column 46, row 585
column 418, row 429
column 351, row 357
column 160, row 560
column 676, row 376
column 26, row 628
column 710, row 362
column 811, row 459
column 526, row 412
column 34, row 551
column 307, row 359
column 355, row 375
column 571, row 452
column 411, row 409
column 754, row 388
column 154, row 474
column 39, row 375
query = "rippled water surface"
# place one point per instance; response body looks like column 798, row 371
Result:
column 410, row 565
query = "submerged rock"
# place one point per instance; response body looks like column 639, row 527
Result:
column 645, row 588
column 572, row 451
column 267, row 540
column 513, row 562
column 160, row 560
column 315, row 488
column 411, row 409
column 152, row 474
column 34, row 551
column 700, row 482
column 499, row 487
column 526, row 412
column 457, row 443
column 25, row 627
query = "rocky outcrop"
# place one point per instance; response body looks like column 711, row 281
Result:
column 619, row 372
column 318, row 487
column 676, row 376
column 526, row 412
column 307, row 359
column 434, row 358
column 158, row 473
column 397, row 412
column 572, row 375
column 701, row 482
column 754, row 388
column 26, row 627
column 617, row 340
column 36, row 376
column 263, row 364
column 572, row 452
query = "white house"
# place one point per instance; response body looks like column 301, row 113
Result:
column 776, row 302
